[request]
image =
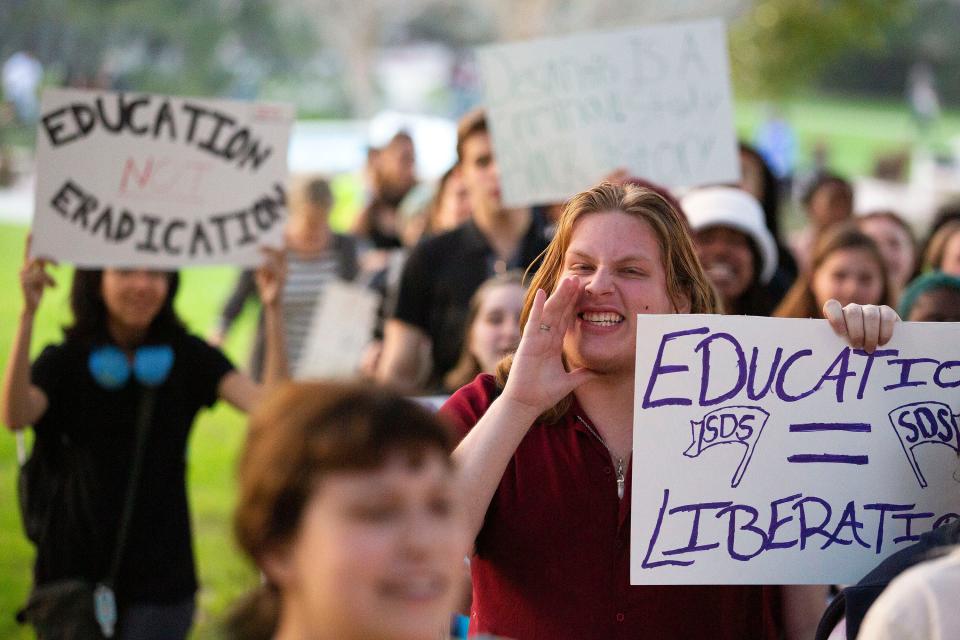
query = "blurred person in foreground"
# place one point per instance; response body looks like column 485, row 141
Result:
column 350, row 506
column 547, row 443
column 443, row 272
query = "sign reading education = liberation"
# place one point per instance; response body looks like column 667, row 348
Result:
column 768, row 451
column 566, row 112
column 148, row 180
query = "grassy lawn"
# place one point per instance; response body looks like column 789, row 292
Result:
column 855, row 131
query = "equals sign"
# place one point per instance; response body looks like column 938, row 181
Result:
column 835, row 458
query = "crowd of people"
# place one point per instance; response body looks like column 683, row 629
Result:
column 360, row 507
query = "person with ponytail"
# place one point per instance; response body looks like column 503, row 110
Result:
column 350, row 506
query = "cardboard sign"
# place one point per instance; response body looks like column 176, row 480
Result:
column 768, row 451
column 156, row 181
column 343, row 322
column 566, row 112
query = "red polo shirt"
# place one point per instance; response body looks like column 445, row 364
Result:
column 552, row 558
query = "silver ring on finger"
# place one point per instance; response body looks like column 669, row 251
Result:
column 544, row 327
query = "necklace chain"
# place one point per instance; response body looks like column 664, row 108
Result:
column 621, row 476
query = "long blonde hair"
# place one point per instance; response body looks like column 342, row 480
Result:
column 683, row 272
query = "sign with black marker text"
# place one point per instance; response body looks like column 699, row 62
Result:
column 157, row 181
column 566, row 112
column 768, row 451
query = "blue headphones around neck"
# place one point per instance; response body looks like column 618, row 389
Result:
column 111, row 369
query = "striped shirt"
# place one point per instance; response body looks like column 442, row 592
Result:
column 306, row 279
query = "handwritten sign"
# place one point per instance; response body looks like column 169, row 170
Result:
column 157, row 181
column 340, row 331
column 768, row 451
column 565, row 112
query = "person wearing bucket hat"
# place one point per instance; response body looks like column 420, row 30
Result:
column 738, row 252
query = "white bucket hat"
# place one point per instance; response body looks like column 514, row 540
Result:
column 737, row 209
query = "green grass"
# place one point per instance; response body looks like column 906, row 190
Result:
column 855, row 131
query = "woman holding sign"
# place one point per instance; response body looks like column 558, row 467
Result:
column 112, row 408
column 548, row 443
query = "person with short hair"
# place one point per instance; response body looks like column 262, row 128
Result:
column 350, row 506
column 444, row 271
column 547, row 442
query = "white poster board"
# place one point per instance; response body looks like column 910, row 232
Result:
column 157, row 181
column 566, row 112
column 832, row 459
column 343, row 321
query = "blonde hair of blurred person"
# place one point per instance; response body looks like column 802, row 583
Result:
column 348, row 503
column 943, row 252
column 897, row 244
column 493, row 328
column 847, row 266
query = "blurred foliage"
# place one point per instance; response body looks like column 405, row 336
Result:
column 324, row 55
column 779, row 47
column 207, row 47
column 929, row 37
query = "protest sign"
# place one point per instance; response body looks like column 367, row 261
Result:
column 343, row 322
column 565, row 112
column 768, row 451
column 158, row 181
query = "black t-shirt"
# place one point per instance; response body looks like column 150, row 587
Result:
column 93, row 431
column 442, row 274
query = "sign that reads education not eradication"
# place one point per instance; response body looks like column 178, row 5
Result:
column 768, row 451
column 565, row 112
column 158, row 181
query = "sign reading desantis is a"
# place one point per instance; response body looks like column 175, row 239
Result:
column 158, row 181
column 566, row 112
column 768, row 451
